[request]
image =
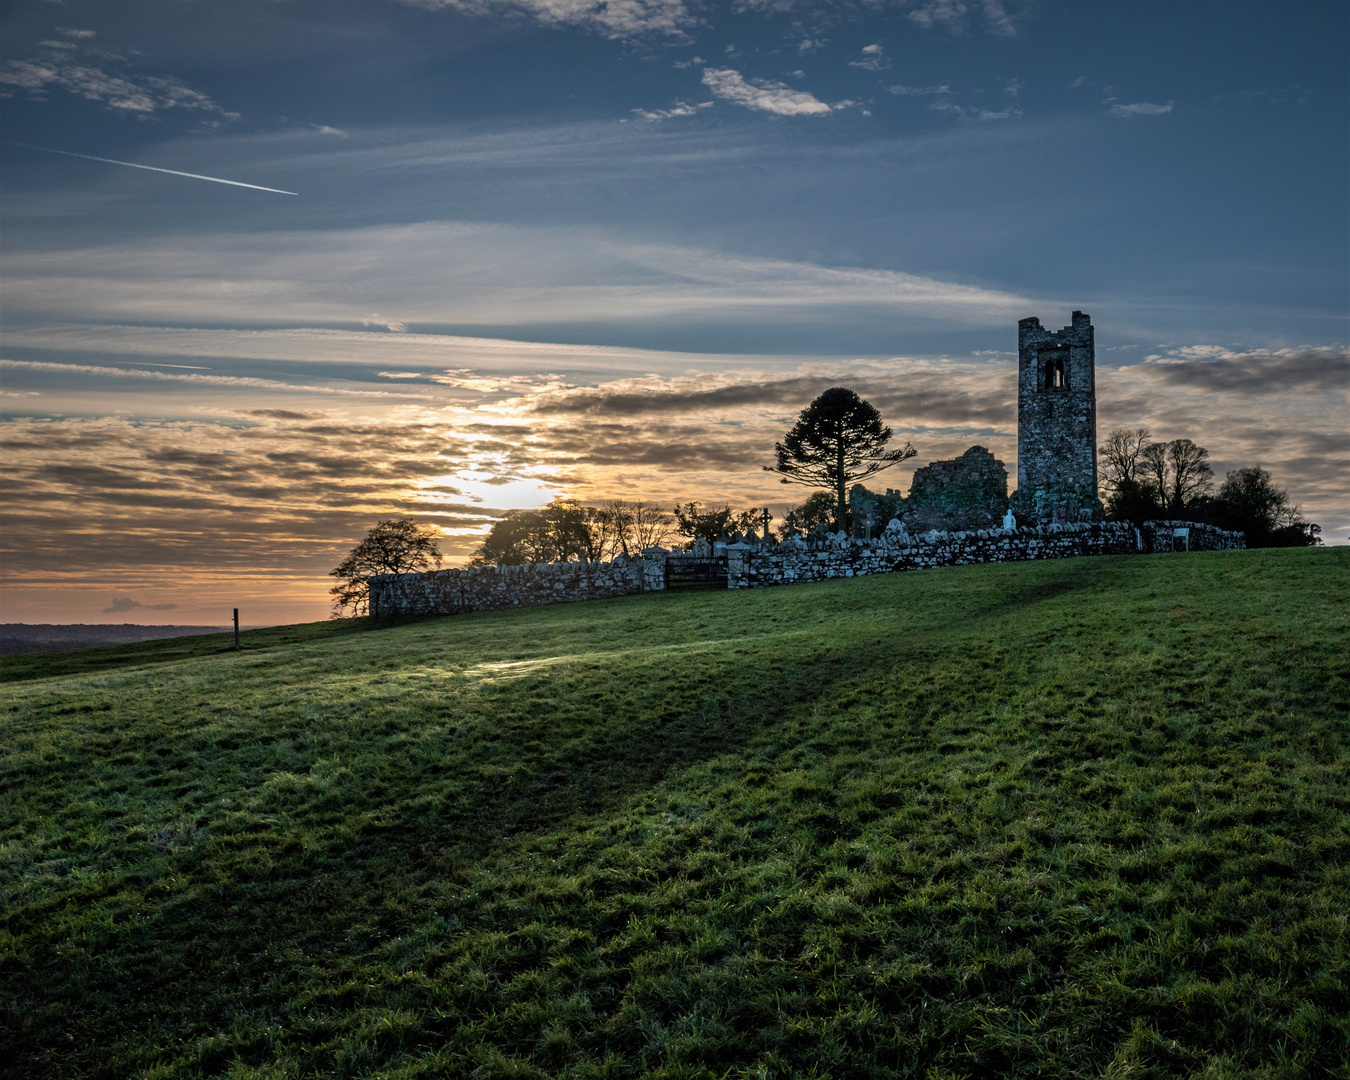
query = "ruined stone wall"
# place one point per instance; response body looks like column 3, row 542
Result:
column 453, row 592
column 1057, row 422
column 790, row 562
column 966, row 493
column 1163, row 536
column 492, row 588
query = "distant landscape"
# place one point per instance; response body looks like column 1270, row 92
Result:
column 18, row 638
column 1085, row 817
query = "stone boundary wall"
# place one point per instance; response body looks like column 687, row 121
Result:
column 756, row 565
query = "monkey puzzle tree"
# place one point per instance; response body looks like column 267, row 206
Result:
column 393, row 546
column 838, row 440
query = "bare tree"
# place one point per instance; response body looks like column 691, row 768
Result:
column 393, row 546
column 1121, row 456
column 1153, row 471
column 651, row 527
column 615, row 520
column 1191, row 473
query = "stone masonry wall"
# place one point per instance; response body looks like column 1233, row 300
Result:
column 453, row 592
column 491, row 588
column 965, row 493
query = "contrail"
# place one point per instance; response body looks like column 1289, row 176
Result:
column 152, row 168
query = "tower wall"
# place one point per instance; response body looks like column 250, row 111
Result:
column 1057, row 422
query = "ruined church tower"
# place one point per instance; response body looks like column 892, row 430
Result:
column 1057, row 422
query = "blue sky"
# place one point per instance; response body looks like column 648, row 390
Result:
column 507, row 207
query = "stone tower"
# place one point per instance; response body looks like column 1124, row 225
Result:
column 1057, row 422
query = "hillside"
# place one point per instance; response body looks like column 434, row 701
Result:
column 1076, row 818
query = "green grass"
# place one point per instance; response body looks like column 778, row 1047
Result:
column 1077, row 818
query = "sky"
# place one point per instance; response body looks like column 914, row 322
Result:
column 610, row 250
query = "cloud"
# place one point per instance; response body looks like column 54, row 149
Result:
column 971, row 112
column 122, row 604
column 951, row 13
column 679, row 108
column 325, row 129
column 448, row 272
column 376, row 319
column 762, row 94
column 919, row 91
column 873, row 59
column 1141, row 108
column 134, row 95
column 617, row 19
column 997, row 20
column 954, row 16
column 231, row 382
column 810, row 45
column 1323, row 370
column 1013, row 87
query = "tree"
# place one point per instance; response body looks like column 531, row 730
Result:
column 1191, row 474
column 1121, row 457
column 1132, row 500
column 393, row 546
column 632, row 528
column 819, row 509
column 559, row 531
column 709, row 524
column 1174, row 475
column 1249, row 500
column 838, row 440
column 1152, row 474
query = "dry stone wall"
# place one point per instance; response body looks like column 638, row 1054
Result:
column 749, row 566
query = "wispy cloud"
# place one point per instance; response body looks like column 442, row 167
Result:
column 679, row 108
column 973, row 112
column 232, row 382
column 123, row 604
column 1140, row 108
column 59, row 66
column 445, row 272
column 873, row 59
column 762, row 94
column 618, row 19
column 1321, row 370
column 392, row 325
column 997, row 21
column 919, row 91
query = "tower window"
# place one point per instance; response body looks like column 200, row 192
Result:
column 1055, row 377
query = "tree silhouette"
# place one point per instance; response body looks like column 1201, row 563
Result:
column 837, row 440
column 394, row 546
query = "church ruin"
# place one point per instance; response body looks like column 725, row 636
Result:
column 1056, row 423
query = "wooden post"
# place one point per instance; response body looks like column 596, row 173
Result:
column 236, row 629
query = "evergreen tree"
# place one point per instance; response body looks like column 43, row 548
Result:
column 838, row 440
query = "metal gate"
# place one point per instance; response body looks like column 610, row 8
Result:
column 694, row 573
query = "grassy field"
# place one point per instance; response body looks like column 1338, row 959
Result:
column 1067, row 819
